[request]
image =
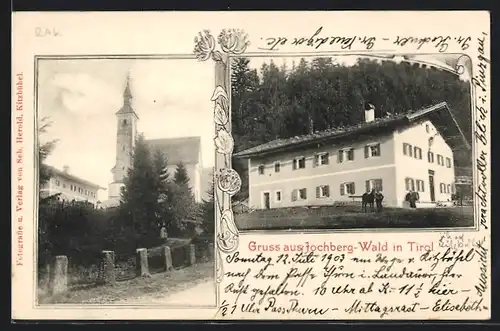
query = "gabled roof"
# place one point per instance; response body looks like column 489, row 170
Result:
column 176, row 150
column 438, row 114
column 69, row 176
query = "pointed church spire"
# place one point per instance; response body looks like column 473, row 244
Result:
column 127, row 99
column 127, row 95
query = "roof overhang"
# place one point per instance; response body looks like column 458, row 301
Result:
column 442, row 118
column 439, row 114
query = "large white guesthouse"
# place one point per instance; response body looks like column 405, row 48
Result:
column 396, row 153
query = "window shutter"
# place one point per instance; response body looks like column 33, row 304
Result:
column 294, row 195
column 367, row 186
column 378, row 184
column 342, row 189
column 316, row 160
column 318, row 189
column 406, row 184
column 366, row 151
column 404, row 148
column 340, row 158
column 327, row 159
column 294, row 164
column 423, row 186
column 379, row 150
column 327, row 190
column 353, row 188
column 305, row 193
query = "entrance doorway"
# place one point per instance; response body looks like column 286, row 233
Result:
column 267, row 200
column 431, row 185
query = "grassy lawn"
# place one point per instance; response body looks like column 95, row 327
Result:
column 351, row 217
column 157, row 286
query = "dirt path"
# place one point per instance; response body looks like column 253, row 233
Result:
column 193, row 294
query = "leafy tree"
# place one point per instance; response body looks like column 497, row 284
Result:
column 44, row 215
column 44, row 151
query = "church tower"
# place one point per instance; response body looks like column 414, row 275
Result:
column 126, row 120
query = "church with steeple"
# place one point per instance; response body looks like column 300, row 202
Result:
column 185, row 150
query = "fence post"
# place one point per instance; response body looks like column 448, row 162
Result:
column 59, row 275
column 191, row 254
column 141, row 262
column 211, row 250
column 107, row 272
column 167, row 258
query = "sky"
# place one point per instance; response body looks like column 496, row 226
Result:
column 80, row 97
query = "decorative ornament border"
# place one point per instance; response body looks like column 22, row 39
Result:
column 227, row 182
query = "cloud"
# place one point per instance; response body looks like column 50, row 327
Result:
column 81, row 93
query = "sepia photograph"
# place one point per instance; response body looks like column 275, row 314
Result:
column 352, row 142
column 126, row 162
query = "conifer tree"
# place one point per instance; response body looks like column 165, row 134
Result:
column 140, row 194
column 208, row 211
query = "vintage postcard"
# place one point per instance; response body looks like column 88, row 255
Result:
column 251, row 165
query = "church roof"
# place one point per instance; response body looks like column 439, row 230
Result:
column 177, row 150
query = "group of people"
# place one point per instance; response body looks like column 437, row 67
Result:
column 412, row 197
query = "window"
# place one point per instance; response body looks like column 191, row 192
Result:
column 321, row 159
column 427, row 128
column 277, row 196
column 346, row 154
column 299, row 163
column 417, row 153
column 303, row 193
column 448, row 188
column 440, row 159
column 64, row 185
column 299, row 194
column 277, row 167
column 430, row 157
column 442, row 188
column 448, row 162
column 347, row 188
column 124, row 122
column 374, row 184
column 372, row 150
column 420, row 185
column 323, row 191
column 261, row 169
column 410, row 184
column 407, row 149
column 58, row 182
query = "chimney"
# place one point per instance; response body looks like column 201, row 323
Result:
column 66, row 169
column 369, row 112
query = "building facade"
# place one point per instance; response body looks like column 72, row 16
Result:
column 395, row 154
column 186, row 150
column 70, row 187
